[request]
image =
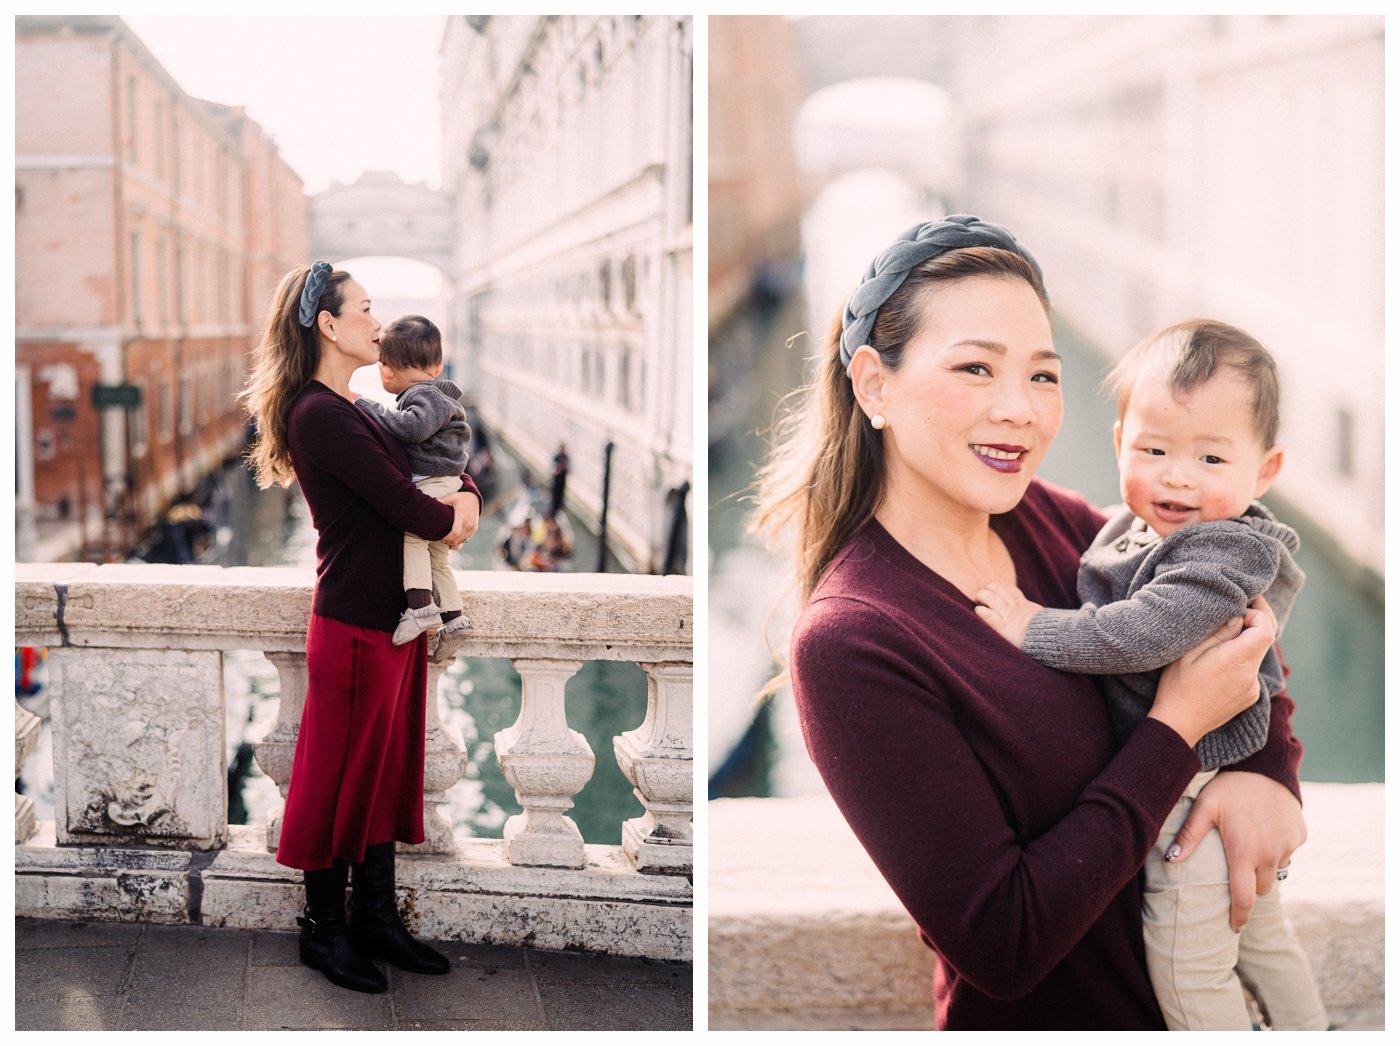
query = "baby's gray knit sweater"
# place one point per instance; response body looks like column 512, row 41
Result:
column 1149, row 599
column 430, row 422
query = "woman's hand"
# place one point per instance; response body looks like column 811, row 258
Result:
column 466, row 514
column 1260, row 823
column 1208, row 686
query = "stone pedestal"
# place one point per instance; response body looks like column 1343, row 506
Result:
column 138, row 741
column 547, row 764
column 657, row 759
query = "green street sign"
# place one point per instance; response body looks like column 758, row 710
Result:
column 128, row 396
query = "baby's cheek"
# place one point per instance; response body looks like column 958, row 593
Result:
column 1137, row 492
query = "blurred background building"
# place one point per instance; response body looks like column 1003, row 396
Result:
column 148, row 227
column 1158, row 168
column 567, row 152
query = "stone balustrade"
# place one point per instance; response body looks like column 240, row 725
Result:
column 140, row 827
column 804, row 934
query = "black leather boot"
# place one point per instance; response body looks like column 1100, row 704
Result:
column 325, row 937
column 374, row 916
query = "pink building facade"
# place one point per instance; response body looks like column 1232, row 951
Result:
column 150, row 228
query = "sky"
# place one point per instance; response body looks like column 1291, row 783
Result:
column 340, row 95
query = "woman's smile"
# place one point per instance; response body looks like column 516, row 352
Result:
column 1000, row 456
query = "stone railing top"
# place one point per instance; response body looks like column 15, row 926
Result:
column 578, row 616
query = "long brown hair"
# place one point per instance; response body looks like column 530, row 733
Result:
column 826, row 473
column 283, row 363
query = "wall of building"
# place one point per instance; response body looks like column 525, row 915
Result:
column 567, row 150
column 755, row 195
column 134, row 250
column 1225, row 166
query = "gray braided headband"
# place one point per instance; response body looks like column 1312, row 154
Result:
column 312, row 290
column 894, row 263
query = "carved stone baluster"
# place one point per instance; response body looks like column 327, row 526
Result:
column 274, row 752
column 547, row 764
column 26, row 739
column 658, row 760
column 444, row 763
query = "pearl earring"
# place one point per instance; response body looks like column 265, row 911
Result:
column 332, row 337
column 877, row 421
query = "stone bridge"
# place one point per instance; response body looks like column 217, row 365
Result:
column 380, row 213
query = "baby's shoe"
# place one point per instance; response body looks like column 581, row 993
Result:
column 446, row 641
column 416, row 621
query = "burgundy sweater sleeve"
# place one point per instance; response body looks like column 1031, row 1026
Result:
column 333, row 438
column 892, row 752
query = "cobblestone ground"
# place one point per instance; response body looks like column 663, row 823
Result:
column 76, row 976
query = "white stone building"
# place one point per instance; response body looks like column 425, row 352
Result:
column 567, row 146
column 1162, row 168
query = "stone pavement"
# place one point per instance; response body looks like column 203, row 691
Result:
column 99, row 976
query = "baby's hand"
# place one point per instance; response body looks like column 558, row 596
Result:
column 1007, row 610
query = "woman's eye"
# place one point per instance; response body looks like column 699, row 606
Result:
column 979, row 369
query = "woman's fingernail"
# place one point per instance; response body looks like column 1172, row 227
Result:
column 1173, row 852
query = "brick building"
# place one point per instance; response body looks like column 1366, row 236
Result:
column 757, row 196
column 149, row 226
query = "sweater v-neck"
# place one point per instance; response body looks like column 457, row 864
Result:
column 1001, row 524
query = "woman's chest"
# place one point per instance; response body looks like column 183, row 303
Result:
column 1040, row 735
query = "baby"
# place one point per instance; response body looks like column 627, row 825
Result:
column 1198, row 419
column 431, row 423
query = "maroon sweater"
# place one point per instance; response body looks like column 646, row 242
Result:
column 355, row 478
column 988, row 788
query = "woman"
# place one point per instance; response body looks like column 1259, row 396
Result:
column 357, row 773
column 986, row 788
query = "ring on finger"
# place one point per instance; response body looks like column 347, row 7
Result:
column 1281, row 873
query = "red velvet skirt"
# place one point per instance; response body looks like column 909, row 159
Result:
column 357, row 774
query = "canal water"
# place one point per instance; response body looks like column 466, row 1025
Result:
column 1333, row 643
column 477, row 696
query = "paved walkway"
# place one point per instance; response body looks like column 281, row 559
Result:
column 98, row 976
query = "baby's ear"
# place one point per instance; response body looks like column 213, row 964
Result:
column 1269, row 469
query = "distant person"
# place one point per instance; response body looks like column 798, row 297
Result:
column 1198, row 420
column 357, row 775
column 558, row 539
column 431, row 423
column 518, row 545
column 559, row 481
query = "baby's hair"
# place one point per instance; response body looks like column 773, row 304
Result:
column 1191, row 352
column 411, row 342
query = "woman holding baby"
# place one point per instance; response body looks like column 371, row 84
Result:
column 357, row 775
column 989, row 789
